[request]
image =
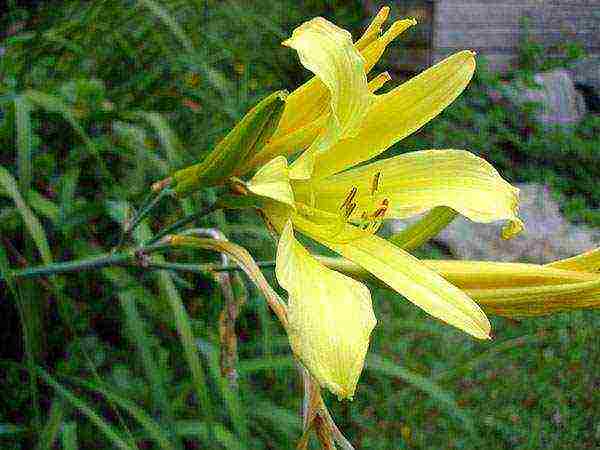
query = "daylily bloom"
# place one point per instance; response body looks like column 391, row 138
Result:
column 337, row 122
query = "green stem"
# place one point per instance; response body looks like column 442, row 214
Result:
column 202, row 268
column 116, row 259
column 182, row 223
column 148, row 205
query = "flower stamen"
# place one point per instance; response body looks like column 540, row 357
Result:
column 375, row 183
column 349, row 197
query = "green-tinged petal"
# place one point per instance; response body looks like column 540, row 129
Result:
column 406, row 275
column 399, row 113
column 288, row 144
column 328, row 52
column 273, row 181
column 330, row 317
column 419, row 181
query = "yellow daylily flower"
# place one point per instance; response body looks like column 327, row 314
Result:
column 322, row 197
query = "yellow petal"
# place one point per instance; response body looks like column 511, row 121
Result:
column 330, row 317
column 374, row 29
column 373, row 50
column 400, row 112
column 506, row 289
column 501, row 275
column 273, row 181
column 377, row 82
column 587, row 262
column 539, row 300
column 406, row 275
column 419, row 181
column 327, row 51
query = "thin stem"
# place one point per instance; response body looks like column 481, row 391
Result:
column 148, row 205
column 95, row 262
column 202, row 269
column 182, row 223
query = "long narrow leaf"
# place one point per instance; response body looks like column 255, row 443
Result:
column 68, row 436
column 23, row 126
column 150, row 425
column 109, row 431
column 9, row 185
column 390, row 369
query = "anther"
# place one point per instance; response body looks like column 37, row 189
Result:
column 375, row 183
column 349, row 210
column 349, row 197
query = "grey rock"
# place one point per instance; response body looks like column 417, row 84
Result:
column 561, row 103
column 586, row 76
column 587, row 72
column 548, row 236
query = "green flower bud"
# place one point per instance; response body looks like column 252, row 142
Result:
column 244, row 141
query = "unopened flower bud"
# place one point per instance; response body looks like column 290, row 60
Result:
column 246, row 138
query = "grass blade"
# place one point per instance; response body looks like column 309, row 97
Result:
column 391, row 369
column 9, row 185
column 150, row 425
column 68, row 436
column 109, row 431
column 23, row 126
column 51, row 430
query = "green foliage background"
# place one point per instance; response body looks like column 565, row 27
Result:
column 100, row 99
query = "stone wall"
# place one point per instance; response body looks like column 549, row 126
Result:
column 494, row 27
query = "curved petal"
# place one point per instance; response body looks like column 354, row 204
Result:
column 373, row 50
column 399, row 113
column 419, row 181
column 273, row 181
column 328, row 52
column 330, row 317
column 406, row 275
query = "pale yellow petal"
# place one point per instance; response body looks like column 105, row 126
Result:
column 538, row 300
column 373, row 31
column 273, row 181
column 406, row 275
column 400, row 112
column 328, row 52
column 416, row 182
column 373, row 51
column 330, row 317
column 501, row 275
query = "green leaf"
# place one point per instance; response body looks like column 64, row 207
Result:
column 167, row 136
column 108, row 430
column 68, row 436
column 51, row 430
column 160, row 436
column 388, row 368
column 54, row 104
column 9, row 185
column 24, row 139
column 192, row 428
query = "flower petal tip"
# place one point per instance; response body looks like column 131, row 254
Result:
column 396, row 29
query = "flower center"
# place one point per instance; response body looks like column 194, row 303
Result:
column 372, row 217
column 333, row 227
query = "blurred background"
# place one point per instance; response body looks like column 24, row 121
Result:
column 100, row 99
